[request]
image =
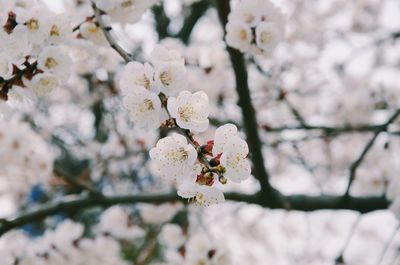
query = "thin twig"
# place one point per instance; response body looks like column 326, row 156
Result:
column 387, row 245
column 340, row 258
column 106, row 30
column 355, row 165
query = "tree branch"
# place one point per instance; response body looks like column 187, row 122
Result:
column 106, row 30
column 355, row 165
column 292, row 202
column 197, row 10
column 248, row 112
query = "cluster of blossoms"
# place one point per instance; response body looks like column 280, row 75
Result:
column 184, row 248
column 24, row 156
column 153, row 95
column 32, row 56
column 255, row 26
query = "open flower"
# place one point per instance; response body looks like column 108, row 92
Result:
column 222, row 135
column 33, row 23
column 172, row 235
column 92, row 32
column 55, row 60
column 190, row 110
column 171, row 77
column 268, row 35
column 17, row 46
column 59, row 30
column 136, row 74
column 239, row 35
column 233, row 159
column 174, row 157
column 255, row 26
column 234, row 152
column 115, row 221
column 43, row 84
column 202, row 194
column 144, row 107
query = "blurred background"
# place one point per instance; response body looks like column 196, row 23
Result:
column 319, row 99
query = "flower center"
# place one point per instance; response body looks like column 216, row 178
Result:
column 243, row 34
column 32, row 24
column 143, row 81
column 265, row 37
column 42, row 166
column 50, row 62
column 166, row 78
column 127, row 4
column 45, row 82
column 233, row 161
column 178, row 155
column 186, row 112
column 146, row 105
column 93, row 29
column 16, row 145
column 55, row 31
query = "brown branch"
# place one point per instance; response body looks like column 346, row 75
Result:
column 355, row 165
column 248, row 112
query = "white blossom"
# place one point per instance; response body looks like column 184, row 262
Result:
column 24, row 155
column 190, row 110
column 234, row 152
column 92, row 32
column 33, row 23
column 115, row 221
column 158, row 214
column 172, row 235
column 239, row 35
column 174, row 157
column 43, row 84
column 15, row 45
column 170, row 77
column 59, row 30
column 237, row 166
column 144, row 107
column 137, row 74
column 268, row 36
column 222, row 136
column 255, row 26
column 55, row 60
